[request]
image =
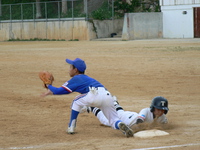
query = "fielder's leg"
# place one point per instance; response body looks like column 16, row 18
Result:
column 72, row 123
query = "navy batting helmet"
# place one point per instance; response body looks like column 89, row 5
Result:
column 159, row 103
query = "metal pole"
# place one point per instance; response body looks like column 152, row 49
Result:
column 22, row 20
column 21, row 12
column 108, row 4
column 46, row 10
column 0, row 16
column 72, row 9
column 59, row 18
column 112, row 16
column 10, row 21
column 34, row 15
column 59, row 10
column 86, row 11
column 46, row 18
column 72, row 19
column 0, row 13
column 33, row 12
column 10, row 13
column 59, row 13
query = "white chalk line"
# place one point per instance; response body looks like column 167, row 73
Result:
column 64, row 144
column 173, row 146
column 38, row 146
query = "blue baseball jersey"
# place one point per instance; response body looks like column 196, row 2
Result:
column 79, row 83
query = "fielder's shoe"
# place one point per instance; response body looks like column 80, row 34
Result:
column 115, row 101
column 89, row 109
column 71, row 128
column 85, row 109
column 125, row 129
column 116, row 104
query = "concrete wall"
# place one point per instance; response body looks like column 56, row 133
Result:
column 176, row 24
column 67, row 30
column 142, row 26
column 105, row 27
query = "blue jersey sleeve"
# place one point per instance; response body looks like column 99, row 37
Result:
column 58, row 91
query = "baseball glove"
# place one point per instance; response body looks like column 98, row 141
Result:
column 46, row 77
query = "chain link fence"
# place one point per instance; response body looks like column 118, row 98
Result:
column 69, row 10
column 53, row 10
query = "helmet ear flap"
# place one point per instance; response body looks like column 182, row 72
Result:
column 152, row 109
column 165, row 112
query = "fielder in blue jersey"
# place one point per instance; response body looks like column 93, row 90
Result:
column 92, row 93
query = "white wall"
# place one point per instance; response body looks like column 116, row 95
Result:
column 175, row 23
column 178, row 2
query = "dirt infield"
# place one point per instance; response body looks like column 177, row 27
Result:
column 134, row 71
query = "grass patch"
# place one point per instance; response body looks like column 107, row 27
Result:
column 180, row 49
column 36, row 39
column 74, row 40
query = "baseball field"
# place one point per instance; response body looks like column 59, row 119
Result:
column 134, row 71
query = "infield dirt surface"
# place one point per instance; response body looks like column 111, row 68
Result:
column 134, row 71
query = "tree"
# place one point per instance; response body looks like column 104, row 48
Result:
column 125, row 6
column 38, row 9
column 64, row 6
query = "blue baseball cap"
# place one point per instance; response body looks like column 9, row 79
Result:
column 78, row 63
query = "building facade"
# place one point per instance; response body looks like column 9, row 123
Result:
column 181, row 18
